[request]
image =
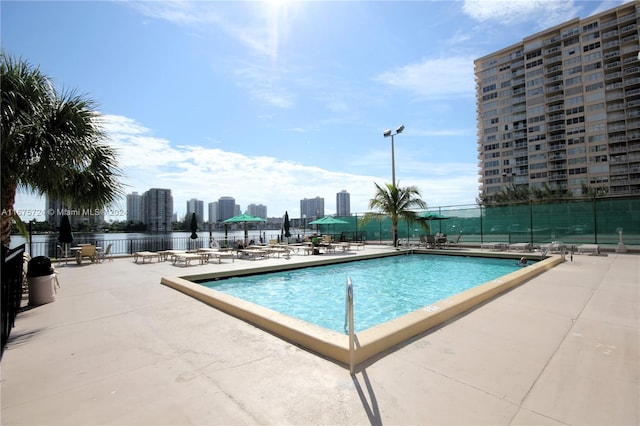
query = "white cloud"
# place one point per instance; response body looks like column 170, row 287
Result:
column 210, row 173
column 434, row 78
column 265, row 83
column 547, row 13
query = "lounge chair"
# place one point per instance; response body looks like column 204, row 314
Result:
column 451, row 244
column 145, row 255
column 105, row 254
column 520, row 247
column 589, row 248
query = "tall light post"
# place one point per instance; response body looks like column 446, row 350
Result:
column 386, row 134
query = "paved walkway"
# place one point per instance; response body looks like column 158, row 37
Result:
column 119, row 348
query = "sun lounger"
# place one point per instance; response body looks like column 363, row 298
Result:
column 494, row 246
column 186, row 258
column 519, row 247
column 553, row 247
column 589, row 248
column 223, row 255
column 145, row 255
column 279, row 250
column 253, row 253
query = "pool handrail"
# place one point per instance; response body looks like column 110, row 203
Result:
column 348, row 316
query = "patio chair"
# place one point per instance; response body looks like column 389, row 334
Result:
column 455, row 243
column 105, row 254
column 431, row 241
column 88, row 251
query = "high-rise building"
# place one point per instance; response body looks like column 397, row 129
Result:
column 197, row 207
column 312, row 208
column 213, row 212
column 134, row 207
column 78, row 216
column 158, row 209
column 562, row 108
column 226, row 208
column 343, row 203
column 257, row 210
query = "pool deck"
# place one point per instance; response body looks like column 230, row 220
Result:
column 117, row 347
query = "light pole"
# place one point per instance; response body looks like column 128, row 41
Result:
column 386, row 134
column 304, row 226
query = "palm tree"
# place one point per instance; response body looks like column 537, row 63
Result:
column 396, row 203
column 52, row 144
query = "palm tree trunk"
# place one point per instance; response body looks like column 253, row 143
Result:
column 394, row 226
column 8, row 200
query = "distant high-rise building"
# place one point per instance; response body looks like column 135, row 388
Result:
column 213, row 212
column 158, row 209
column 226, row 208
column 562, row 108
column 134, row 207
column 312, row 208
column 343, row 203
column 78, row 215
column 257, row 210
column 197, row 207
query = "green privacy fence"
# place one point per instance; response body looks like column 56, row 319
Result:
column 584, row 221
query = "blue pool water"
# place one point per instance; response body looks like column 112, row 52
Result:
column 383, row 289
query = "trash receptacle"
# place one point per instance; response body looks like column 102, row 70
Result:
column 41, row 279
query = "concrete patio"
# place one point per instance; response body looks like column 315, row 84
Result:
column 119, row 348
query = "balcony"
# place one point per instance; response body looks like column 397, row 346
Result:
column 555, row 167
column 617, row 139
column 631, row 70
column 632, row 92
column 555, row 98
column 613, row 76
column 557, row 146
column 552, row 50
column 557, row 176
column 611, row 44
column 632, row 82
column 616, row 149
column 616, row 64
column 610, row 55
column 554, row 59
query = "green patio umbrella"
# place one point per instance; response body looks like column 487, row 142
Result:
column 244, row 218
column 329, row 220
column 431, row 216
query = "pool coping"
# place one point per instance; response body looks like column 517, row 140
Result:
column 373, row 341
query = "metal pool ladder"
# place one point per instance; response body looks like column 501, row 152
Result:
column 348, row 320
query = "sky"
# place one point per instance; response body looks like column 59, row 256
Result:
column 271, row 102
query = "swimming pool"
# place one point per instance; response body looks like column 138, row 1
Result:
column 384, row 289
column 371, row 342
